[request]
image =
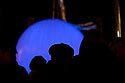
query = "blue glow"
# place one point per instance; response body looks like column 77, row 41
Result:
column 37, row 39
column 87, row 27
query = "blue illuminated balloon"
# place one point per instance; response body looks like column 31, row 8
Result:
column 37, row 39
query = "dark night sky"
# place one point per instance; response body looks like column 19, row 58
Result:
column 14, row 15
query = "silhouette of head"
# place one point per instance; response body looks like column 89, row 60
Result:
column 92, row 36
column 61, row 51
column 37, row 62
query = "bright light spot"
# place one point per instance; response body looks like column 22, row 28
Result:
column 118, row 34
column 37, row 39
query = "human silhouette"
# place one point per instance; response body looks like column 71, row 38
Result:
column 38, row 69
column 61, row 56
column 95, row 59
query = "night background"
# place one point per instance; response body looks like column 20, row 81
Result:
column 15, row 15
column 98, row 58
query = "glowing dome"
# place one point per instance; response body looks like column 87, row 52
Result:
column 37, row 39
